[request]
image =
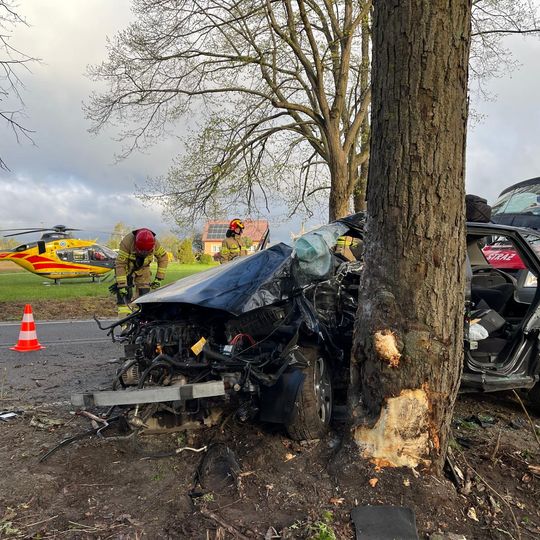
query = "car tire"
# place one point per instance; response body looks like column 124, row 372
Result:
column 313, row 406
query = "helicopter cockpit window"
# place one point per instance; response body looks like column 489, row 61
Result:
column 101, row 253
column 73, row 255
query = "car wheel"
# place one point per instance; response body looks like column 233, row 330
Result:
column 313, row 406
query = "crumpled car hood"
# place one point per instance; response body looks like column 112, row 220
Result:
column 243, row 285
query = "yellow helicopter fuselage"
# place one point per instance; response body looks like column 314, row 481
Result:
column 63, row 258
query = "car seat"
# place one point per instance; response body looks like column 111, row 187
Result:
column 495, row 297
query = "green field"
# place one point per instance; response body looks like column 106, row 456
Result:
column 23, row 286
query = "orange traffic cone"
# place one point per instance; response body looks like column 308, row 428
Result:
column 27, row 336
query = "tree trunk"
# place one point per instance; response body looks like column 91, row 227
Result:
column 359, row 195
column 408, row 351
column 340, row 193
column 361, row 184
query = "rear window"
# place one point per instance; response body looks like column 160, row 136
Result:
column 523, row 200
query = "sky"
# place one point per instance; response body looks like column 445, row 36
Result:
column 71, row 177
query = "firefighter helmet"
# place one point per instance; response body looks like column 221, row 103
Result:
column 144, row 241
column 236, row 224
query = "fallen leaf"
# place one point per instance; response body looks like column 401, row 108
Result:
column 336, row 501
column 472, row 513
column 373, row 482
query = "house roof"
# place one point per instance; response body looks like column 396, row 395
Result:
column 214, row 230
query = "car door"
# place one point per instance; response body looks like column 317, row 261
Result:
column 503, row 319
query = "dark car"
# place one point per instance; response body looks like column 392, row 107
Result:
column 269, row 335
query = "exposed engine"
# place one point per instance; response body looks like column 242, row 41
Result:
column 244, row 353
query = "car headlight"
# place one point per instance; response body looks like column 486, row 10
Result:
column 531, row 280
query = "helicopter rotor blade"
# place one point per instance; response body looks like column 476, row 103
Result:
column 24, row 232
column 29, row 229
column 55, row 228
column 23, row 229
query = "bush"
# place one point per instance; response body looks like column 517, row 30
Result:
column 204, row 258
column 185, row 252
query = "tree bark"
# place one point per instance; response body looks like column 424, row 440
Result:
column 359, row 194
column 408, row 351
column 340, row 192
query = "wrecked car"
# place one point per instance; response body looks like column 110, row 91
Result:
column 269, row 335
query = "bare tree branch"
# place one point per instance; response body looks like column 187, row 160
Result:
column 269, row 81
column 11, row 61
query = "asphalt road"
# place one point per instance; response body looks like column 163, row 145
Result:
column 78, row 357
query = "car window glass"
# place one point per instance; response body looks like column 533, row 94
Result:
column 501, row 275
column 500, row 252
column 519, row 201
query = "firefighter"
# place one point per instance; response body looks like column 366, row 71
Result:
column 232, row 246
column 132, row 269
column 349, row 248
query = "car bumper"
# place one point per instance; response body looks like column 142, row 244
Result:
column 159, row 394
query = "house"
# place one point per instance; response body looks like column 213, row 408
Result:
column 214, row 233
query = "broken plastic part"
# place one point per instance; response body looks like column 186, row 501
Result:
column 313, row 250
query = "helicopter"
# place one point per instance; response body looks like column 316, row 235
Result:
column 58, row 255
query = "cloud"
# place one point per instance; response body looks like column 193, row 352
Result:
column 25, row 202
column 503, row 148
column 69, row 176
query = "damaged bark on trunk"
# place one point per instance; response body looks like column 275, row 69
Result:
column 408, row 350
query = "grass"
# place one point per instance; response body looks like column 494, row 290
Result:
column 23, row 286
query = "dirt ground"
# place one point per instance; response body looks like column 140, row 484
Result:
column 47, row 310
column 253, row 482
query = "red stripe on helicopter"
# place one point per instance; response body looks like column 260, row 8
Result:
column 38, row 259
column 45, row 266
column 13, row 255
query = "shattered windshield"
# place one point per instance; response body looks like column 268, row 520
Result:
column 523, row 200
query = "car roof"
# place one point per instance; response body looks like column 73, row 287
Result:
column 472, row 225
column 524, row 183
